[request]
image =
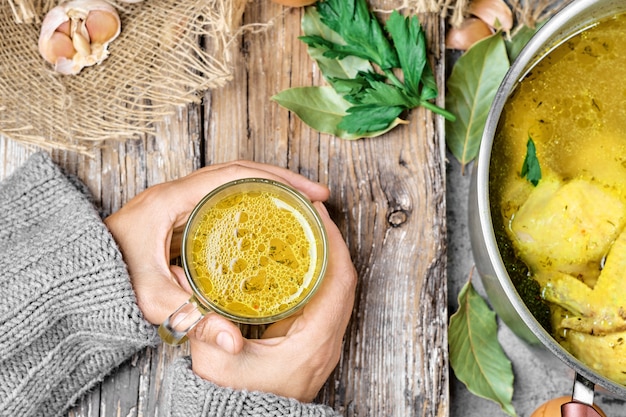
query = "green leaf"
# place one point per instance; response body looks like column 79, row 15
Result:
column 472, row 86
column 531, row 170
column 346, row 38
column 515, row 45
column 352, row 89
column 410, row 43
column 345, row 68
column 430, row 90
column 361, row 31
column 384, row 95
column 323, row 109
column 475, row 353
column 369, row 118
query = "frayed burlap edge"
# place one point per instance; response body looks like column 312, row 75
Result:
column 168, row 54
column 526, row 12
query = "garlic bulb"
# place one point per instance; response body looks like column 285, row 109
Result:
column 76, row 34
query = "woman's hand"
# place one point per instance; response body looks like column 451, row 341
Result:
column 148, row 229
column 295, row 356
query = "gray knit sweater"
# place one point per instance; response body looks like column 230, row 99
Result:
column 68, row 314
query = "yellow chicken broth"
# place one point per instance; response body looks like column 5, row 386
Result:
column 571, row 105
column 253, row 255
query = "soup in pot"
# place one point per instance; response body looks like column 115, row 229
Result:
column 563, row 234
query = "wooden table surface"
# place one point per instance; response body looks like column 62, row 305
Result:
column 387, row 196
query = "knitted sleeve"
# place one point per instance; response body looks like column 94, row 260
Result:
column 186, row 394
column 68, row 314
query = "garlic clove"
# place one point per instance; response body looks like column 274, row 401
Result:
column 101, row 26
column 60, row 46
column 90, row 25
column 471, row 31
column 81, row 44
column 65, row 28
column 495, row 13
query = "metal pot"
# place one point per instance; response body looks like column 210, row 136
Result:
column 501, row 292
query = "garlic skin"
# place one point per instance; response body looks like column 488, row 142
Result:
column 76, row 34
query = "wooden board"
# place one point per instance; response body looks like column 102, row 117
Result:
column 387, row 196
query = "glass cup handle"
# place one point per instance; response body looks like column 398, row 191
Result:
column 174, row 329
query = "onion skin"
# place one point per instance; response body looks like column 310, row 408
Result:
column 496, row 13
column 295, row 3
column 471, row 31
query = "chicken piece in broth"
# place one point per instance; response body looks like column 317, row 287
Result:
column 567, row 227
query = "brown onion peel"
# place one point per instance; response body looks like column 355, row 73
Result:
column 471, row 31
column 496, row 13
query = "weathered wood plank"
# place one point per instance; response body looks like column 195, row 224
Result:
column 387, row 196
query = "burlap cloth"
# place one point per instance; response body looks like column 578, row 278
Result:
column 168, row 53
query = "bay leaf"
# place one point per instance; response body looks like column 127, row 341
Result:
column 322, row 108
column 472, row 86
column 475, row 352
column 517, row 42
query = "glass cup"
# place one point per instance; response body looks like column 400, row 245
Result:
column 254, row 251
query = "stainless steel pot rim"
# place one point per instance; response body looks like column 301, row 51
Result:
column 538, row 46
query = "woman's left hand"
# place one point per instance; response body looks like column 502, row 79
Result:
column 145, row 227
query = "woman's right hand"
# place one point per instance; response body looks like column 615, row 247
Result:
column 295, row 356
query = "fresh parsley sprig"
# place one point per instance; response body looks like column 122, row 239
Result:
column 361, row 31
column 383, row 70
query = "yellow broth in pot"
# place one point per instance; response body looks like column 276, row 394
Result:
column 564, row 239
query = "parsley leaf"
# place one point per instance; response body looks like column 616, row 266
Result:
column 375, row 91
column 360, row 30
column 410, row 42
column 530, row 168
column 381, row 71
column 369, row 118
column 429, row 91
column 387, row 95
column 354, row 89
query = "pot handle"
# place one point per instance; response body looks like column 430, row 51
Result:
column 575, row 409
column 582, row 400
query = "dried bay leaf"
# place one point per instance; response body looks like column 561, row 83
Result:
column 475, row 353
column 472, row 86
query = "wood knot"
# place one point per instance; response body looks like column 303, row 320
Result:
column 397, row 218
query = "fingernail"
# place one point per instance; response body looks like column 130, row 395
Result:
column 225, row 341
